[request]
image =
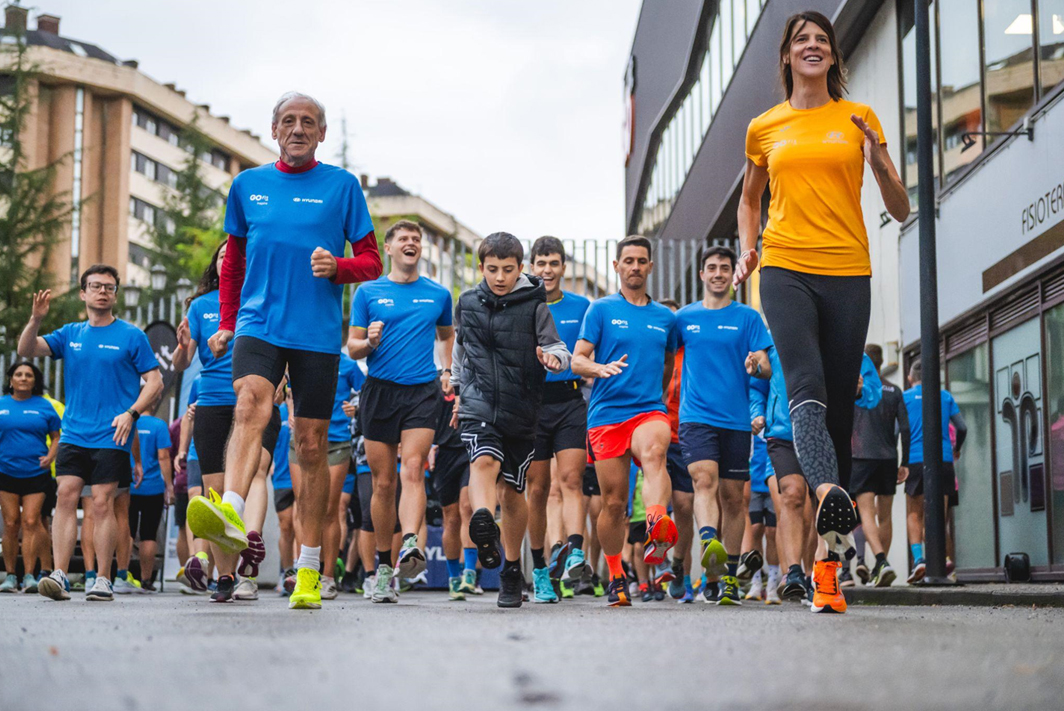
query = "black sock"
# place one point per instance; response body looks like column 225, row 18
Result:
column 384, row 558
column 512, row 565
column 796, row 569
column 677, row 567
column 537, row 559
column 881, row 558
column 576, row 541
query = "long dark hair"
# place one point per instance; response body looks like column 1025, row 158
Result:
column 38, row 378
column 837, row 72
column 209, row 281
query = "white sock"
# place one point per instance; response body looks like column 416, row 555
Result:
column 756, row 577
column 309, row 557
column 773, row 575
column 236, row 500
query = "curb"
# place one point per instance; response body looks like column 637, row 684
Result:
column 959, row 596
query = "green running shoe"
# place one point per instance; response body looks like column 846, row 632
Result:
column 714, row 558
column 454, row 589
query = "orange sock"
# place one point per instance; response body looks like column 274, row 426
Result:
column 656, row 512
column 613, row 562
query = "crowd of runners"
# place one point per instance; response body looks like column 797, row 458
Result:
column 627, row 448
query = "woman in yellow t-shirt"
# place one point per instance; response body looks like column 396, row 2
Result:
column 815, row 271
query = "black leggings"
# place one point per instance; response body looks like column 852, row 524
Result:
column 819, row 324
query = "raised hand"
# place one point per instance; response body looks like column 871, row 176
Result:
column 873, row 149
column 42, row 301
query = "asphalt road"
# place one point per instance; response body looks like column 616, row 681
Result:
column 170, row 651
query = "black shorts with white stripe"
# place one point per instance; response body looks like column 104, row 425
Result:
column 482, row 439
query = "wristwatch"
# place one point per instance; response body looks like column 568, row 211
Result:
column 134, row 414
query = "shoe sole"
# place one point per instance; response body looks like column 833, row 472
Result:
column 886, row 578
column 412, row 564
column 729, row 602
column 244, row 597
column 9, row 590
column 751, row 565
column 773, row 601
column 99, row 597
column 384, row 598
column 207, row 521
column 53, row 590
column 916, row 576
column 252, row 556
column 863, row 576
column 125, row 591
column 574, row 575
column 307, row 604
column 549, row 601
column 485, row 536
column 557, row 569
column 836, row 518
column 622, row 601
column 715, row 566
column 827, row 609
column 662, row 537
column 196, row 574
column 793, row 592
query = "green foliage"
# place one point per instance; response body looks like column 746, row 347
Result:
column 34, row 215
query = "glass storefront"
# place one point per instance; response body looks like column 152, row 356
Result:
column 1054, row 325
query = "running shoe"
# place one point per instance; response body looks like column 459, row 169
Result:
column 663, row 574
column 542, row 586
column 484, row 533
column 122, row 586
column 454, row 589
column 862, row 572
column 29, row 583
column 827, row 595
column 55, row 586
column 350, row 583
column 223, row 591
column 596, row 585
column 560, row 554
column 511, row 583
column 676, row 588
column 147, row 588
column 131, row 580
column 618, row 593
column 659, row 593
column 772, row 596
column 846, row 578
column 181, row 578
column 836, row 517
column 246, row 589
column 469, row 582
column 307, row 595
column 101, row 591
column 749, row 563
column 714, row 558
column 919, row 569
column 567, row 591
column 883, row 575
column 576, row 567
column 290, row 580
column 756, row 588
column 688, row 595
column 411, row 560
column 383, row 590
column 338, row 569
column 661, row 536
column 368, row 586
column 793, row 586
column 196, row 570
column 217, row 521
column 252, row 556
column 10, row 584
column 329, row 591
column 646, row 592
column 729, row 594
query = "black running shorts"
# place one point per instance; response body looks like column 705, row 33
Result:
column 283, row 499
column 210, row 432
column 451, row 474
column 637, row 532
column 562, row 425
column 914, row 485
column 730, row 449
column 677, row 468
column 591, row 484
column 94, row 466
column 513, row 453
column 387, row 409
column 145, row 514
column 783, row 457
column 874, row 476
column 312, row 375
column 25, row 486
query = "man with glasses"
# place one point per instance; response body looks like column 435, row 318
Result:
column 106, row 360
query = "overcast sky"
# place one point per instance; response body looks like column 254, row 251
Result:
column 506, row 114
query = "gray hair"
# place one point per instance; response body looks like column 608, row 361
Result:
column 289, row 96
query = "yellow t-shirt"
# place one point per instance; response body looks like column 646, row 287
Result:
column 60, row 408
column 815, row 160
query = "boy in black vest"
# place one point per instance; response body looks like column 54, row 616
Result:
column 506, row 337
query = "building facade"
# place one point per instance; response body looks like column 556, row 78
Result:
column 699, row 71
column 121, row 131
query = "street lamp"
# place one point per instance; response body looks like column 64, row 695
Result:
column 131, row 294
column 183, row 289
column 158, row 277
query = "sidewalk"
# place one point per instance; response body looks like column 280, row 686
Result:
column 972, row 594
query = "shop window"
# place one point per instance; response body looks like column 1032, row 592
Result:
column 1054, row 325
column 1009, row 60
column 908, row 83
column 1019, row 452
column 962, row 103
column 973, row 518
column 1051, row 43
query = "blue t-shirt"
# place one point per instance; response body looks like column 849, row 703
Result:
column 715, row 385
column 760, row 466
column 216, row 376
column 101, row 378
column 645, row 333
column 154, row 435
column 568, row 313
column 914, row 405
column 24, row 427
column 410, row 314
column 348, row 378
column 282, row 475
column 193, row 396
column 285, row 217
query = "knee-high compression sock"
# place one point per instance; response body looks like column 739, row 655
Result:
column 816, row 451
column 469, row 557
column 454, row 568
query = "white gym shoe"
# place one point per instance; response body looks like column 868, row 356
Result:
column 55, row 586
column 123, row 587
column 756, row 586
column 383, row 590
column 246, row 589
column 101, row 591
column 328, row 588
column 368, row 586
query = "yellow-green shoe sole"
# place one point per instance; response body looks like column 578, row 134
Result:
column 305, row 601
column 206, row 521
column 715, row 559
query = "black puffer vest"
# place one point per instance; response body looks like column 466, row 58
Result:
column 502, row 379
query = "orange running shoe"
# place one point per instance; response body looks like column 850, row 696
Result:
column 661, row 536
column 618, row 593
column 827, row 596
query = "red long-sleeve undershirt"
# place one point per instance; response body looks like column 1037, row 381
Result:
column 364, row 264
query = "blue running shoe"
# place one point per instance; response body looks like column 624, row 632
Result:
column 575, row 567
column 542, row 586
column 677, row 587
column 688, row 593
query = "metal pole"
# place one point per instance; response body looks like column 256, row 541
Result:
column 934, row 507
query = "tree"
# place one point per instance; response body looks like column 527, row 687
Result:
column 34, row 215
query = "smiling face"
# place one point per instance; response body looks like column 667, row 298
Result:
column 404, row 248
column 809, row 53
column 23, row 380
column 717, row 275
column 298, row 131
column 500, row 274
column 551, row 269
column 634, row 266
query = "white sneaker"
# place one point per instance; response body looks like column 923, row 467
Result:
column 123, row 587
column 368, row 586
column 756, row 586
column 55, row 586
column 328, row 588
column 246, row 589
column 771, row 596
column 101, row 591
column 383, row 590
column 411, row 561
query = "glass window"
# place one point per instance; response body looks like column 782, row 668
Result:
column 909, row 150
column 753, row 10
column 1054, row 325
column 961, row 96
column 133, row 162
column 1009, row 61
column 714, row 67
column 1051, row 43
column 149, row 125
column 149, row 169
column 973, row 518
column 725, row 23
column 1019, row 444
column 739, row 31
column 704, row 83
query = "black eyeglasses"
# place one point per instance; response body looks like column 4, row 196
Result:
column 101, row 286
